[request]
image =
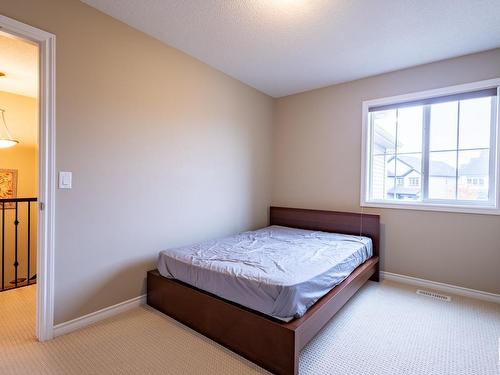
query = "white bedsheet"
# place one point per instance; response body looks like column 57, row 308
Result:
column 278, row 271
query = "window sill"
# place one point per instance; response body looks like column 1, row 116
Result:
column 481, row 210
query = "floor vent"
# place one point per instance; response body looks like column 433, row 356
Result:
column 440, row 297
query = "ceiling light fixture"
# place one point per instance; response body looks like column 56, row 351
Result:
column 6, row 139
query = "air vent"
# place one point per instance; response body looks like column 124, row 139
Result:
column 440, row 297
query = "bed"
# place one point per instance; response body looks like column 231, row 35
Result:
column 264, row 294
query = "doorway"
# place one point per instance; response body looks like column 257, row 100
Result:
column 27, row 171
column 18, row 185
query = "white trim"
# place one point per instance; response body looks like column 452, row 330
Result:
column 47, row 159
column 431, row 207
column 107, row 312
column 450, row 90
column 442, row 287
column 491, row 207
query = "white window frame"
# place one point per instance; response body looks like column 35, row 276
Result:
column 491, row 207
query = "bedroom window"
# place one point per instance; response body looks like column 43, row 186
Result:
column 433, row 150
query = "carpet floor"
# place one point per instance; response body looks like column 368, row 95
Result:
column 385, row 329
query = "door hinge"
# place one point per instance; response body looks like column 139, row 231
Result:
column 42, row 206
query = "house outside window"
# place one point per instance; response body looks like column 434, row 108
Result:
column 433, row 150
column 413, row 181
column 475, row 181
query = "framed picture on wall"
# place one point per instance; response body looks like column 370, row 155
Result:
column 8, row 186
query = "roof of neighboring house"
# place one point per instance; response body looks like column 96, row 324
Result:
column 477, row 166
column 437, row 168
column 384, row 140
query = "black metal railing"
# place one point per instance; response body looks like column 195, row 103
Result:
column 11, row 210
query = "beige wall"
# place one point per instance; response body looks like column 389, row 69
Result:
column 164, row 151
column 317, row 165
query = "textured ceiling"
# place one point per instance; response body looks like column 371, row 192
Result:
column 19, row 63
column 287, row 46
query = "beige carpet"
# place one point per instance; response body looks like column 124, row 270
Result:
column 385, row 329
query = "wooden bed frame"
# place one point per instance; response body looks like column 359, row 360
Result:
column 268, row 342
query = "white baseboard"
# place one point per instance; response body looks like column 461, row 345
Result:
column 107, row 312
column 441, row 287
column 86, row 320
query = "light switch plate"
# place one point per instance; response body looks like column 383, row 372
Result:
column 65, row 180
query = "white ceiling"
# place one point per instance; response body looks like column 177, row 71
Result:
column 287, row 46
column 19, row 62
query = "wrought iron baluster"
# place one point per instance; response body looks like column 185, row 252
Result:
column 17, row 282
column 3, row 245
column 29, row 243
column 16, row 263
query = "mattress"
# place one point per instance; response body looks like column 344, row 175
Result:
column 278, row 271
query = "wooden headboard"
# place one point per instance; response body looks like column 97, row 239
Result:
column 329, row 221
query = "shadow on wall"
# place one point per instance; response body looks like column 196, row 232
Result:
column 382, row 247
column 111, row 285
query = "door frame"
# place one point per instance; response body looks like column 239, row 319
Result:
column 46, row 170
